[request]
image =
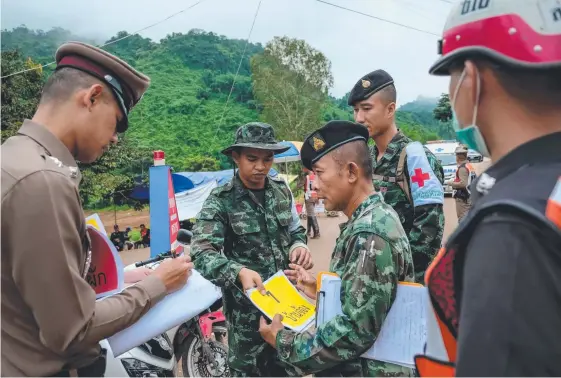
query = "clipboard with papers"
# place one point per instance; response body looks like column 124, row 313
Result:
column 403, row 333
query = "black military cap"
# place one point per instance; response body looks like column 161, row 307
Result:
column 368, row 85
column 328, row 138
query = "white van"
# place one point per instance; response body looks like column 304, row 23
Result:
column 444, row 150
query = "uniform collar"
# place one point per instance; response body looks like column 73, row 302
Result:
column 538, row 151
column 393, row 146
column 369, row 201
column 50, row 143
column 241, row 189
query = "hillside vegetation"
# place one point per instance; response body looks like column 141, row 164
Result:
column 186, row 111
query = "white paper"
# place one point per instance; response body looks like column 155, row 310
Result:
column 403, row 333
column 176, row 308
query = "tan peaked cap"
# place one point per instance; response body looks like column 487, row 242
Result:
column 134, row 82
column 461, row 150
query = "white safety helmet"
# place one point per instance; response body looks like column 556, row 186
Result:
column 523, row 33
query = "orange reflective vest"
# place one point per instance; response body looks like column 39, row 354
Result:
column 443, row 317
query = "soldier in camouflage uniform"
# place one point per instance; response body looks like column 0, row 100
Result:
column 371, row 255
column 412, row 185
column 247, row 231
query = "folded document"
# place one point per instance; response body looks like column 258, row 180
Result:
column 403, row 332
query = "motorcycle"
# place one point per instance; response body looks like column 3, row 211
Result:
column 200, row 343
column 154, row 358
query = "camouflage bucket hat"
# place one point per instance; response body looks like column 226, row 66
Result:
column 256, row 135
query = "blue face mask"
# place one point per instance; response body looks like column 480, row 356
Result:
column 469, row 135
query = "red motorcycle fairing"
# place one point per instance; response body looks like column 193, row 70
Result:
column 207, row 320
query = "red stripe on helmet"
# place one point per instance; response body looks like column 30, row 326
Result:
column 508, row 35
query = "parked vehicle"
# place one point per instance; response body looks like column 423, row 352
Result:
column 154, row 358
column 445, row 152
column 200, row 343
column 474, row 156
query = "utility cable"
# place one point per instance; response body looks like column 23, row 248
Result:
column 238, row 70
column 379, row 18
column 117, row 40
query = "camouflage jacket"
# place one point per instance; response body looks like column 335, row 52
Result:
column 371, row 255
column 424, row 224
column 256, row 237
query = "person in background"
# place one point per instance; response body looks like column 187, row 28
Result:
column 51, row 321
column 145, row 234
column 371, row 255
column 117, row 238
column 246, row 231
column 495, row 287
column 465, row 174
column 310, row 201
column 128, row 243
column 407, row 174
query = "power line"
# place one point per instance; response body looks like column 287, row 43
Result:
column 239, row 66
column 379, row 18
column 117, row 40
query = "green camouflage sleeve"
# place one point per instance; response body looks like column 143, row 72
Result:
column 428, row 227
column 208, row 240
column 369, row 285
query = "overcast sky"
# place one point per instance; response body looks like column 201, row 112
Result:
column 355, row 44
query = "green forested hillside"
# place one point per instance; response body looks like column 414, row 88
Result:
column 184, row 111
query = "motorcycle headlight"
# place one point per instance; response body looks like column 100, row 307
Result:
column 136, row 368
column 159, row 346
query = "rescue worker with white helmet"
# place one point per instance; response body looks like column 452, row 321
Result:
column 495, row 287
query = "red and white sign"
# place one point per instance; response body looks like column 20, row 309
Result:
column 106, row 272
column 173, row 218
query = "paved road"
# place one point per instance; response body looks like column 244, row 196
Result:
column 321, row 248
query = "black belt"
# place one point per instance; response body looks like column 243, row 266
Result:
column 95, row 369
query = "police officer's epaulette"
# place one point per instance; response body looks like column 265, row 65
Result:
column 53, row 162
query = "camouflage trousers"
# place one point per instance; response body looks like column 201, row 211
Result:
column 248, row 354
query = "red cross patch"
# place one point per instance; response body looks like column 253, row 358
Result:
column 419, row 178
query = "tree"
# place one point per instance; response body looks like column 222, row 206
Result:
column 20, row 93
column 291, row 80
column 114, row 175
column 443, row 110
column 443, row 114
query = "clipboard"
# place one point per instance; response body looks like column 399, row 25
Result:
column 321, row 302
column 399, row 340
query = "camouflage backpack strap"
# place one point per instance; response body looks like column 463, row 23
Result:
column 401, row 181
column 399, row 177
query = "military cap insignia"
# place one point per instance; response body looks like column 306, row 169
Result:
column 317, row 143
column 365, row 83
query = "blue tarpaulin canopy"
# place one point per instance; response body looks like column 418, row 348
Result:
column 183, row 181
column 292, row 154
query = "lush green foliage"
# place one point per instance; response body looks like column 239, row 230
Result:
column 291, row 80
column 188, row 111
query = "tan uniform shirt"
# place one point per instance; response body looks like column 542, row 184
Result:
column 463, row 174
column 50, row 318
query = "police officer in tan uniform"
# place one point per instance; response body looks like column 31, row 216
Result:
column 51, row 322
column 461, row 184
